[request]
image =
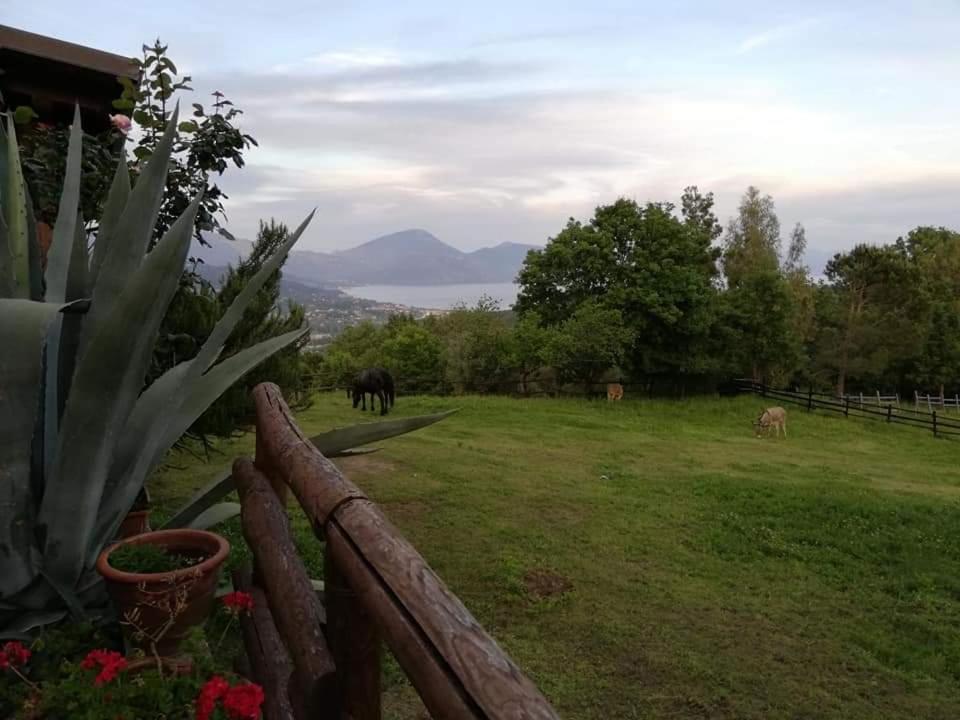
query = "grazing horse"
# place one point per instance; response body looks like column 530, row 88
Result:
column 614, row 391
column 379, row 384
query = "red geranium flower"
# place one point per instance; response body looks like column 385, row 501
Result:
column 214, row 689
column 243, row 701
column 110, row 663
column 238, row 602
column 13, row 654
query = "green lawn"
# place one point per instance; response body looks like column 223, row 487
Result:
column 655, row 560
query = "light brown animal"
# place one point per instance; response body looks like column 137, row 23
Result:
column 775, row 417
column 614, row 391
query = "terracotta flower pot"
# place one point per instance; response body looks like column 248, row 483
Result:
column 146, row 602
column 136, row 522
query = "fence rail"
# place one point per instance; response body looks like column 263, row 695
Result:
column 932, row 401
column 847, row 406
column 377, row 589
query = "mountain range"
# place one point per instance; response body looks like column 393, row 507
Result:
column 409, row 257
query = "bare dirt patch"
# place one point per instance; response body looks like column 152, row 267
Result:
column 545, row 583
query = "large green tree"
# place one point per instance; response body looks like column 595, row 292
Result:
column 872, row 317
column 758, row 304
column 655, row 268
column 590, row 342
column 752, row 241
column 935, row 254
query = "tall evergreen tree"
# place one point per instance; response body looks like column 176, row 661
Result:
column 264, row 318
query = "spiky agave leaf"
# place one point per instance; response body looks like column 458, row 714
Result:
column 23, row 326
column 332, row 444
column 112, row 210
column 106, row 384
column 178, row 413
column 61, row 254
column 14, row 204
column 135, row 225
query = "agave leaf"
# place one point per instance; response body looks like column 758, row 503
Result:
column 23, row 326
column 339, row 439
column 107, row 381
column 34, row 269
column 6, row 259
column 214, row 515
column 205, row 497
column 180, row 412
column 61, row 254
column 24, row 622
column 353, row 453
column 69, row 598
column 15, row 209
column 198, row 395
column 63, row 342
column 332, row 444
column 136, row 225
column 112, row 210
column 218, row 337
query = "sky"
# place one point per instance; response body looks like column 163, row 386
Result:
column 498, row 121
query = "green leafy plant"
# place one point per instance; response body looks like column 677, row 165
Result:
column 80, row 433
column 147, row 558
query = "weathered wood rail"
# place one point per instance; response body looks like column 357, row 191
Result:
column 323, row 661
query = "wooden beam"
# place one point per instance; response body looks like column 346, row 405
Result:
column 67, row 53
column 355, row 646
column 269, row 660
column 458, row 669
column 294, row 604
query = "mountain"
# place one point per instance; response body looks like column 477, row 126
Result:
column 410, row 257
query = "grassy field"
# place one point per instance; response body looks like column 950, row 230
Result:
column 655, row 560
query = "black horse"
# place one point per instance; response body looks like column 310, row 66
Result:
column 379, row 383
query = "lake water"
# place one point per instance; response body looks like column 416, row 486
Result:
column 437, row 297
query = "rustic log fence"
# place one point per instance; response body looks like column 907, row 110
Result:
column 322, row 660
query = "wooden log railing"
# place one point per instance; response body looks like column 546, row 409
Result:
column 377, row 588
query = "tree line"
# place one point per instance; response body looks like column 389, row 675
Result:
column 668, row 297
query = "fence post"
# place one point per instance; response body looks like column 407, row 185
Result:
column 878, row 399
column 916, row 400
column 810, row 400
column 934, row 423
column 354, row 645
column 846, row 406
column 889, row 412
column 861, row 401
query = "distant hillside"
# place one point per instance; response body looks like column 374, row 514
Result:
column 410, row 257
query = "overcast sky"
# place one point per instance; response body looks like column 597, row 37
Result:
column 495, row 121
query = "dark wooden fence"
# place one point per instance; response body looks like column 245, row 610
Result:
column 321, row 659
column 849, row 406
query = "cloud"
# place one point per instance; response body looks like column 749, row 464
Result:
column 775, row 34
column 480, row 151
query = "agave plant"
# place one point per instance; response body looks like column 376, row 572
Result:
column 79, row 435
